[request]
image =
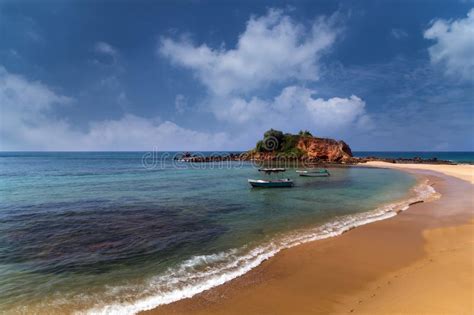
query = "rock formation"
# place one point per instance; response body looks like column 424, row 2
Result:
column 324, row 149
column 276, row 145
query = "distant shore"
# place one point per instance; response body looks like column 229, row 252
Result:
column 417, row 262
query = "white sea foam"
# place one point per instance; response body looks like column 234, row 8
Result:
column 204, row 272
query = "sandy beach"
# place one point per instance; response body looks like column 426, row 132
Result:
column 463, row 171
column 420, row 261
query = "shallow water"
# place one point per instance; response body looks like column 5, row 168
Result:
column 103, row 232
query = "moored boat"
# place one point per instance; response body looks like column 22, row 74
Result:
column 276, row 183
column 272, row 170
column 314, row 173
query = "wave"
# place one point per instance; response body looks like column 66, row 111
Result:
column 201, row 273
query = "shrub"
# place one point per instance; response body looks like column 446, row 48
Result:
column 284, row 145
column 289, row 142
column 305, row 133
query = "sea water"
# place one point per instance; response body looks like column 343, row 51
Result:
column 112, row 232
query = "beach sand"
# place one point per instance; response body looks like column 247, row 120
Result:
column 463, row 171
column 420, row 261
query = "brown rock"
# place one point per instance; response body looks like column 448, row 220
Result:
column 325, row 149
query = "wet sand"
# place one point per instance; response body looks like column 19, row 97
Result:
column 420, row 261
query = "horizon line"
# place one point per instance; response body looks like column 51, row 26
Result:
column 133, row 151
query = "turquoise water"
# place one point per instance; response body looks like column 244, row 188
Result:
column 105, row 232
column 455, row 156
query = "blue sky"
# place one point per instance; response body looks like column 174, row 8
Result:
column 209, row 75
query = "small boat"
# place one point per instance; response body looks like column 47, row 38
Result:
column 314, row 173
column 277, row 183
column 272, row 170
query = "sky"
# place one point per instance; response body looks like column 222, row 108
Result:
column 214, row 75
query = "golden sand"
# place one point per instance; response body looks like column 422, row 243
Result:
column 463, row 171
column 418, row 262
column 439, row 283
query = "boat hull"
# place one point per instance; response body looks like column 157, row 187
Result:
column 314, row 174
column 270, row 184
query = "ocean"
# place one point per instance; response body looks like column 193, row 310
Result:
column 120, row 232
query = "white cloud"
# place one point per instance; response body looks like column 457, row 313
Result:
column 336, row 112
column 137, row 133
column 454, row 47
column 28, row 123
column 273, row 48
column 106, row 49
column 25, row 107
column 296, row 108
column 17, row 93
column 107, row 56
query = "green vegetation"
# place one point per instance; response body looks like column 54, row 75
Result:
column 305, row 133
column 282, row 144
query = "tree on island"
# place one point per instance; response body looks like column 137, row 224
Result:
column 283, row 144
column 305, row 133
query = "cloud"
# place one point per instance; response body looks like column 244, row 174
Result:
column 17, row 93
column 297, row 108
column 137, row 133
column 398, row 33
column 180, row 103
column 107, row 55
column 106, row 49
column 338, row 112
column 28, row 122
column 454, row 47
column 273, row 48
column 25, row 107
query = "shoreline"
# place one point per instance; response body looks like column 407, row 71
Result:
column 229, row 298
column 461, row 171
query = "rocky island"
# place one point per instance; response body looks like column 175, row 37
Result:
column 302, row 147
column 279, row 146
